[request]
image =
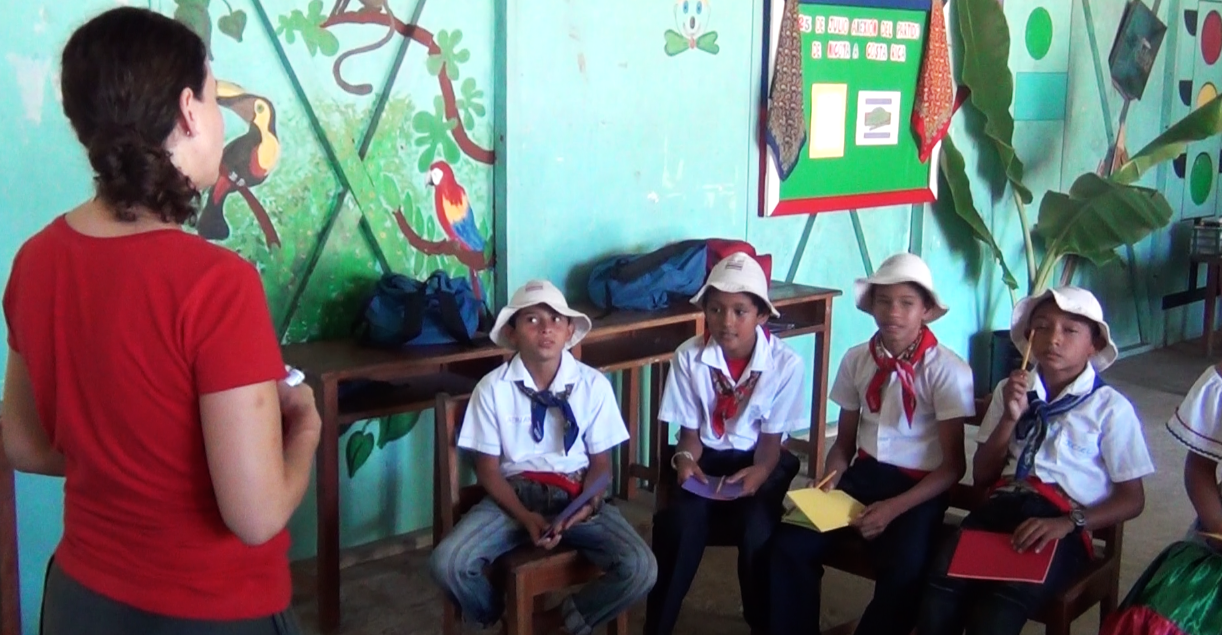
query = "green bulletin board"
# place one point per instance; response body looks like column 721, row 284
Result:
column 861, row 61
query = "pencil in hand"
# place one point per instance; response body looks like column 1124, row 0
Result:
column 1027, row 353
column 826, row 480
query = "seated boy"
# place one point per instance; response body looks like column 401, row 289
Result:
column 542, row 426
column 899, row 449
column 735, row 391
column 1073, row 455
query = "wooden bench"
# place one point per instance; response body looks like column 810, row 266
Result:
column 1098, row 584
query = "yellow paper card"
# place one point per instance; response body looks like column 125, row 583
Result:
column 828, row 111
column 826, row 510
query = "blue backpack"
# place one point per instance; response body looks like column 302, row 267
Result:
column 407, row 312
column 652, row 281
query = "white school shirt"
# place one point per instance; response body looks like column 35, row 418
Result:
column 498, row 419
column 775, row 406
column 1197, row 422
column 943, row 386
column 1098, row 443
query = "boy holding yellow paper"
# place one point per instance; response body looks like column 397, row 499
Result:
column 898, row 450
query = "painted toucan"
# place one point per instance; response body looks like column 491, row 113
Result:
column 454, row 214
column 245, row 162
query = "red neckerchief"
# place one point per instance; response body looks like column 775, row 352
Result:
column 730, row 397
column 902, row 365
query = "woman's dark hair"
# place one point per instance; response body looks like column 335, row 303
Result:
column 122, row 75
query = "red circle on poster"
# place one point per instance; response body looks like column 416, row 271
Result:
column 1211, row 37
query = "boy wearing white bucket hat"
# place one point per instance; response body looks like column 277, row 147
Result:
column 899, row 449
column 734, row 392
column 535, row 450
column 1064, row 455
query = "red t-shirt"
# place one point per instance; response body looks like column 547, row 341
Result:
column 121, row 337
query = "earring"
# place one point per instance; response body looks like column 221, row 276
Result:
column 189, row 133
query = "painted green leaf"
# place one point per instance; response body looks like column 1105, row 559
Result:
column 468, row 87
column 433, row 64
column 422, row 122
column 388, row 190
column 396, row 427
column 426, row 158
column 986, row 72
column 1202, row 123
column 360, row 446
column 233, row 24
column 478, row 109
column 328, row 44
column 194, row 14
column 449, row 150
column 954, row 169
column 1093, row 219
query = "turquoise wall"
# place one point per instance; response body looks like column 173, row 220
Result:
column 606, row 144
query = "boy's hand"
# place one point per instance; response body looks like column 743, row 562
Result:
column 874, row 519
column 581, row 516
column 836, row 469
column 535, row 525
column 1014, row 395
column 690, row 469
column 1038, row 532
column 751, row 477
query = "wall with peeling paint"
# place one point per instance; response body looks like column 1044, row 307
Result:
column 610, row 139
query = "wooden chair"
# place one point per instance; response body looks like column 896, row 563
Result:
column 1098, row 584
column 525, row 573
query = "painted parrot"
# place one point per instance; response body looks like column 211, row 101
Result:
column 454, row 213
column 245, row 162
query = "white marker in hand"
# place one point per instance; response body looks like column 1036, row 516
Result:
column 295, row 376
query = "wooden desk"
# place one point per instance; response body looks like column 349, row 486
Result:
column 623, row 341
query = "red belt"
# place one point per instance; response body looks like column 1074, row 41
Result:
column 570, row 483
column 1055, row 495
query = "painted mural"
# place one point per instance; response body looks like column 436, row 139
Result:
column 328, row 180
column 358, row 143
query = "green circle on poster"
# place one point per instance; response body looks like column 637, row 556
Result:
column 1039, row 33
column 1201, row 179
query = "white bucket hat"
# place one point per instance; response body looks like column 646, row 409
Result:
column 1074, row 300
column 539, row 292
column 902, row 267
column 738, row 273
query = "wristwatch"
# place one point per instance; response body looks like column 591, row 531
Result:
column 1078, row 517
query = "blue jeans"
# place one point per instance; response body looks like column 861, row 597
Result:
column 900, row 556
column 487, row 532
column 985, row 607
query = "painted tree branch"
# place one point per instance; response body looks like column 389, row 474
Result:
column 469, row 147
column 265, row 221
column 475, row 260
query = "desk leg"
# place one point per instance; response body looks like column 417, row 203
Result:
column 327, row 488
column 818, row 406
column 629, row 453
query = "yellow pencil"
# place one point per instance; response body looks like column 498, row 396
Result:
column 825, row 480
column 720, row 481
column 1027, row 353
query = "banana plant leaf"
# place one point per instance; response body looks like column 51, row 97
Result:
column 955, row 171
column 986, row 72
column 1202, row 123
column 1096, row 217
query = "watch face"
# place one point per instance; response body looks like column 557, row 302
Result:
column 1078, row 517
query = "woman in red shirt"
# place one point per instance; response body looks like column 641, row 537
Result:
column 143, row 366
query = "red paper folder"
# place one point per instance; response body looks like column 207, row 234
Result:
column 986, row 555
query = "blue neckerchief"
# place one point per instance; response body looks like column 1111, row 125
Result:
column 1032, row 427
column 543, row 400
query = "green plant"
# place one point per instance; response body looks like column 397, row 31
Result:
column 1099, row 213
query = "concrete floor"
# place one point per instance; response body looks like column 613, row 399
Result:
column 394, row 596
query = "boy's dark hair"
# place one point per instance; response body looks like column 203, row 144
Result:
column 761, row 307
column 122, row 75
column 926, row 296
column 1096, row 332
